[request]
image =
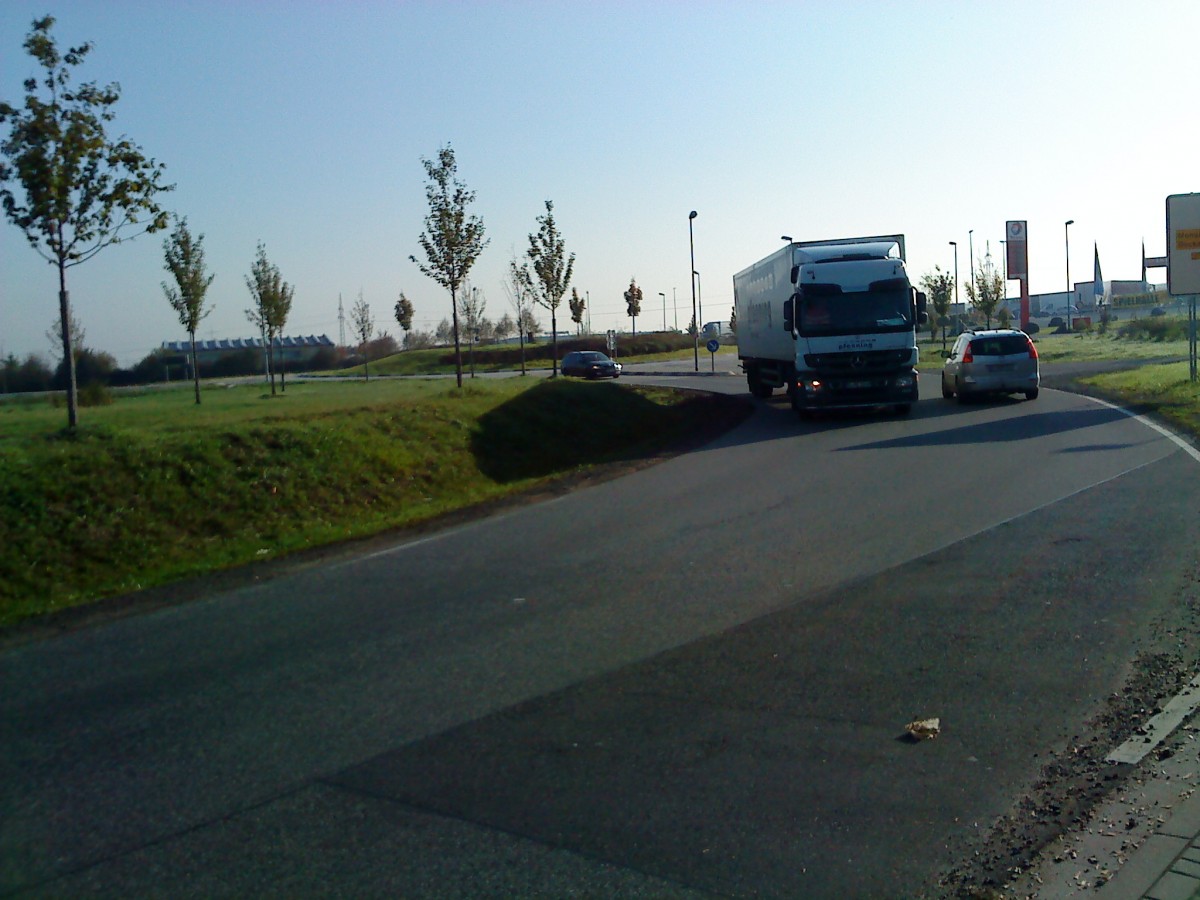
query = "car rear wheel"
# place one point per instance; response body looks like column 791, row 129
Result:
column 947, row 393
column 962, row 397
column 1031, row 395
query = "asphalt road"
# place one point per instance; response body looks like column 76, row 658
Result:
column 690, row 681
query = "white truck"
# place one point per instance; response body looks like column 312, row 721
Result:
column 834, row 322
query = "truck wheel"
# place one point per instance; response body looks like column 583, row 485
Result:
column 757, row 388
column 1031, row 395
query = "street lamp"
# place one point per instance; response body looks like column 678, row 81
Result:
column 695, row 321
column 700, row 302
column 786, row 237
column 664, row 296
column 971, row 251
column 1067, row 242
column 954, row 244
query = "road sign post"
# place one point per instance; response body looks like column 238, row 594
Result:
column 1183, row 260
column 713, row 346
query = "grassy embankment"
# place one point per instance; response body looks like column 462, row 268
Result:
column 154, row 488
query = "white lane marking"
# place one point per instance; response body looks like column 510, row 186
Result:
column 1183, row 444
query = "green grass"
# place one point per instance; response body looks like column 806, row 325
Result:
column 1165, row 391
column 154, row 488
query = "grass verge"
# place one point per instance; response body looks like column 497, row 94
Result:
column 154, row 488
column 1164, row 391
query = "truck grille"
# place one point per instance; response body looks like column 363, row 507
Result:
column 857, row 362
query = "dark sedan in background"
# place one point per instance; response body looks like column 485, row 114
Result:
column 590, row 364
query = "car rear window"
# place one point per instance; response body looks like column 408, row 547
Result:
column 1001, row 345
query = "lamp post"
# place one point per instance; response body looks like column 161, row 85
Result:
column 786, row 237
column 700, row 304
column 954, row 244
column 1067, row 243
column 664, row 296
column 675, row 306
column 971, row 252
column 695, row 320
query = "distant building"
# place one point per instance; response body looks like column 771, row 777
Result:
column 287, row 349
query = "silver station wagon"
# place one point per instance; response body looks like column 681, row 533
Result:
column 999, row 361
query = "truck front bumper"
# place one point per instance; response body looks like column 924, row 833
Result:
column 810, row 390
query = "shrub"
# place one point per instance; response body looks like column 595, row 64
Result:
column 1157, row 328
column 1032, row 328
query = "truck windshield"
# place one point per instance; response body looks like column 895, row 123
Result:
column 827, row 309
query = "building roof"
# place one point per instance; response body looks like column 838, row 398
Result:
column 230, row 345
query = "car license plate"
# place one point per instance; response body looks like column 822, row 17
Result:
column 857, row 385
column 1002, row 367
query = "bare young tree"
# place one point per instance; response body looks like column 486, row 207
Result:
column 518, row 285
column 552, row 270
column 82, row 191
column 452, row 239
column 364, row 327
column 471, row 305
column 272, row 298
column 987, row 289
column 185, row 261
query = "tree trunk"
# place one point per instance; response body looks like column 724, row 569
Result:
column 554, row 344
column 64, row 312
column 457, row 348
column 195, row 367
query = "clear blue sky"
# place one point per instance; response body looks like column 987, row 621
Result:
column 303, row 125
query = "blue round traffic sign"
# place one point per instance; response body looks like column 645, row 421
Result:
column 714, row 345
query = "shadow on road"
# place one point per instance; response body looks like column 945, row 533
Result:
column 1029, row 427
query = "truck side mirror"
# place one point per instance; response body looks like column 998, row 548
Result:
column 789, row 314
column 922, row 301
column 795, row 274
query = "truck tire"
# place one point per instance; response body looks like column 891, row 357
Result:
column 757, row 388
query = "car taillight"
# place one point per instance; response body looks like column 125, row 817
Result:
column 1032, row 351
column 968, row 356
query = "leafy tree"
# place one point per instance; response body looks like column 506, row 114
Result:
column 988, row 288
column 939, row 288
column 82, row 192
column 504, row 327
column 552, row 270
column 733, row 319
column 272, row 298
column 185, row 261
column 530, row 326
column 418, row 340
column 578, row 307
column 633, row 302
column 404, row 314
column 518, row 284
column 452, row 240
column 364, row 327
column 444, row 333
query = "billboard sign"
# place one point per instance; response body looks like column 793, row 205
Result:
column 1183, row 244
column 1017, row 249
